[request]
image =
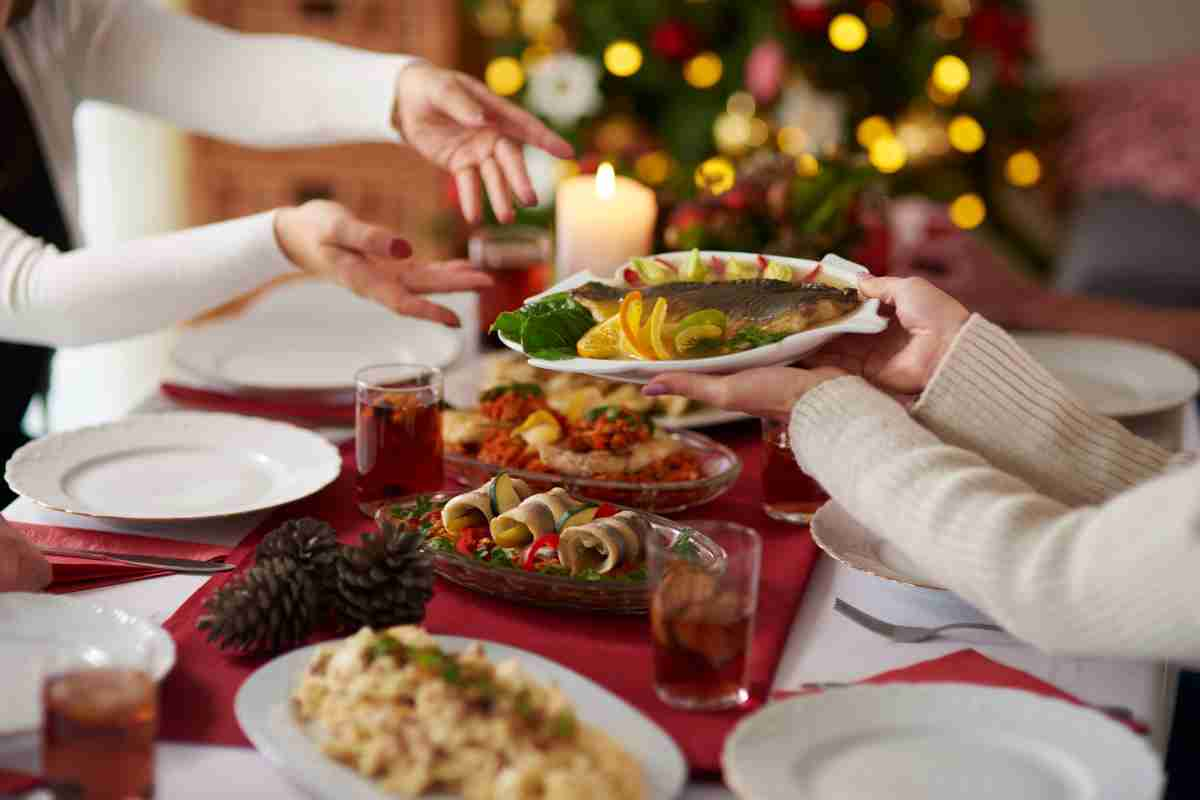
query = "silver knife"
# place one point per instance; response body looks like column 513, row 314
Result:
column 181, row 565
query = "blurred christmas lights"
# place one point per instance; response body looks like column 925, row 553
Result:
column 968, row 211
column 966, row 134
column 716, row 175
column 847, row 33
column 504, row 76
column 1023, row 169
column 703, row 71
column 623, row 58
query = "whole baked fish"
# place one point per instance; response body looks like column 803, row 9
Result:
column 773, row 306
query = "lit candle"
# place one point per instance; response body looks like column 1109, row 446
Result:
column 601, row 222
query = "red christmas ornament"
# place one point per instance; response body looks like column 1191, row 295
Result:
column 675, row 40
column 688, row 214
column 765, row 67
column 1007, row 34
column 807, row 17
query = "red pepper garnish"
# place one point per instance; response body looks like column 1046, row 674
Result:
column 812, row 275
column 606, row 510
column 468, row 538
column 762, row 261
column 631, row 277
column 549, row 540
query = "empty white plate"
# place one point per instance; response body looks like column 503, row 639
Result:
column 309, row 336
column 262, row 709
column 847, row 540
column 35, row 626
column 936, row 742
column 173, row 466
column 1114, row 377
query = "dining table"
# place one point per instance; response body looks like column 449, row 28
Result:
column 822, row 646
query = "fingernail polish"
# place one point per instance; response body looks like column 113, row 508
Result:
column 654, row 390
column 400, row 248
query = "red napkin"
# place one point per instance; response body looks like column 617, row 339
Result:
column 296, row 408
column 971, row 666
column 75, row 574
column 614, row 651
column 14, row 783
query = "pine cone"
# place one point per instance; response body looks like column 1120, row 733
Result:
column 268, row 608
column 309, row 542
column 387, row 581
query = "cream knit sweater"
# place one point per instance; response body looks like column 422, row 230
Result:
column 1062, row 526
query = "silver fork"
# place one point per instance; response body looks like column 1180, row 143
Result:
column 904, row 634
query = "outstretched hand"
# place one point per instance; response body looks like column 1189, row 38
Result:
column 765, row 392
column 459, row 124
column 326, row 240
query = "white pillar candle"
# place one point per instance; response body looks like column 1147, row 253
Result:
column 601, row 222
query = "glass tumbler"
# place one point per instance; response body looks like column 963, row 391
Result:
column 789, row 493
column 518, row 258
column 398, row 433
column 702, row 615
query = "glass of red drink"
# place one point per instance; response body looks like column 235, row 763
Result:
column 789, row 494
column 518, row 259
column 702, row 617
column 98, row 726
column 398, row 433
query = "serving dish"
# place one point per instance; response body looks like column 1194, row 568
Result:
column 864, row 319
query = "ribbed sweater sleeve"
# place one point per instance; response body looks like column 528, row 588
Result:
column 991, row 397
column 1114, row 579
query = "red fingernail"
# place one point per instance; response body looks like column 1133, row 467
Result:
column 400, row 248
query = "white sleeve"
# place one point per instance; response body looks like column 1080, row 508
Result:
column 1114, row 579
column 258, row 90
column 98, row 294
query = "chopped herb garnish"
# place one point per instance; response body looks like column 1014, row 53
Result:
column 440, row 545
column 382, row 646
column 684, row 546
column 752, row 336
column 519, row 389
column 523, row 704
column 499, row 557
column 590, row 574
column 563, row 725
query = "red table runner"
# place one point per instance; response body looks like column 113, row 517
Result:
column 614, row 651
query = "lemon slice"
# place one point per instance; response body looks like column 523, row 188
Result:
column 778, row 272
column 658, row 319
column 694, row 269
column 631, row 327
column 698, row 340
column 540, row 427
column 602, row 341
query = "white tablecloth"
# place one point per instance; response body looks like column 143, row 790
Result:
column 822, row 646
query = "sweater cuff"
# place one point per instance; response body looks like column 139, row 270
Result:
column 371, row 90
column 263, row 245
column 825, row 412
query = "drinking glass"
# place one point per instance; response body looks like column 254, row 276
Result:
column 398, row 433
column 702, row 616
column 789, row 493
column 518, row 258
column 99, row 721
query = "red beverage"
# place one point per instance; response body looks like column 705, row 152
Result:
column 398, row 433
column 98, row 732
column 518, row 260
column 789, row 493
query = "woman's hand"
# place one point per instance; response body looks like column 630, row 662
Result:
column 459, row 124
column 767, row 392
column 22, row 567
column 901, row 359
column 326, row 240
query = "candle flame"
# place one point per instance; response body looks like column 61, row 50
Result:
column 606, row 181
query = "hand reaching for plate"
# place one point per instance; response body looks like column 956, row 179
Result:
column 899, row 361
column 326, row 240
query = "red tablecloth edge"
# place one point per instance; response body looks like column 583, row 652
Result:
column 303, row 411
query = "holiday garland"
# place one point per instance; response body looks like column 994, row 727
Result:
column 734, row 110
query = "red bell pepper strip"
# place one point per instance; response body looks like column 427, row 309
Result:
column 812, row 275
column 606, row 510
column 549, row 540
column 762, row 261
column 467, row 539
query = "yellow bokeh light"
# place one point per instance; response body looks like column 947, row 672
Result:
column 716, row 175
column 704, row 70
column 872, row 129
column 731, row 132
column 888, row 154
column 623, row 58
column 968, row 211
column 951, row 75
column 792, row 140
column 938, row 96
column 653, row 168
column 807, row 165
column 504, row 76
column 531, row 55
column 966, row 134
column 847, row 32
column 760, row 131
column 537, row 15
column 957, row 8
column 741, row 103
column 1023, row 169
column 879, row 14
column 494, row 18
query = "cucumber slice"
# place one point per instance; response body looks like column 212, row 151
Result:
column 695, row 268
column 576, row 516
column 739, row 270
column 651, row 272
column 778, row 272
column 502, row 494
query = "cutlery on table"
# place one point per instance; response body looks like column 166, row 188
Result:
column 905, row 634
column 181, row 565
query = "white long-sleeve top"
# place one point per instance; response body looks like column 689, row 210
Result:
column 1065, row 528
column 258, row 90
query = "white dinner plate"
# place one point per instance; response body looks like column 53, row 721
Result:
column 173, row 466
column 36, row 626
column 944, row 741
column 263, row 711
column 1114, row 377
column 309, row 337
column 847, row 540
column 865, row 319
